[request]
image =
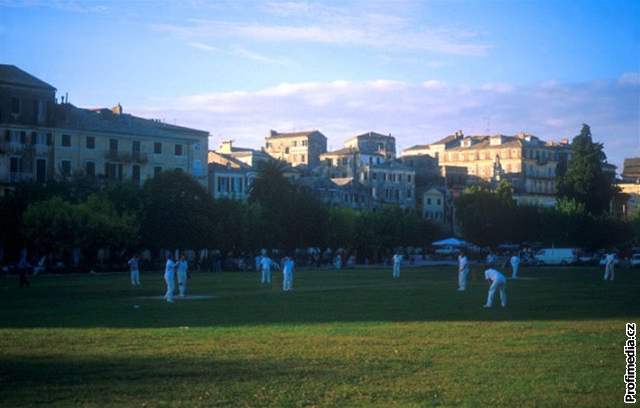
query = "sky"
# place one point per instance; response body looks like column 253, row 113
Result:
column 419, row 70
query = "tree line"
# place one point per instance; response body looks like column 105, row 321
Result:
column 173, row 211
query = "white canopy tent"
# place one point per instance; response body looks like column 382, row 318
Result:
column 453, row 242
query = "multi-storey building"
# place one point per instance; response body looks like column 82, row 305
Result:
column 112, row 144
column 297, row 148
column 437, row 148
column 250, row 157
column 526, row 161
column 337, row 192
column 41, row 139
column 229, row 177
column 387, row 179
column 373, row 143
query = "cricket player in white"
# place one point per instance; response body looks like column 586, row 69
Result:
column 287, row 273
column 515, row 265
column 498, row 281
column 338, row 262
column 266, row 264
column 397, row 261
column 463, row 271
column 609, row 271
column 134, row 263
column 182, row 267
column 170, row 278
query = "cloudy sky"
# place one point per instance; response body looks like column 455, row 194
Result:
column 416, row 69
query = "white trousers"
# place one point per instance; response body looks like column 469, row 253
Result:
column 609, row 272
column 135, row 277
column 462, row 278
column 514, row 271
column 492, row 291
column 396, row 270
column 266, row 275
column 287, row 281
column 182, row 282
column 170, row 280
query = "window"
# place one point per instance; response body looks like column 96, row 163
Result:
column 135, row 173
column 408, row 178
column 49, row 139
column 65, row 168
column 157, row 170
column 304, row 142
column 7, row 135
column 178, row 150
column 294, row 143
column 428, row 201
column 90, row 168
column 15, row 165
column 113, row 145
column 157, row 148
column 179, row 169
column 135, row 147
column 286, row 150
column 34, row 138
column 40, row 112
column 438, row 201
column 91, row 142
column 302, row 157
column 23, row 137
column 66, row 140
column 15, row 106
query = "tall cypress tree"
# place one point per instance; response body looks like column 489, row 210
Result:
column 584, row 180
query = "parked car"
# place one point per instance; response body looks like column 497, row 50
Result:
column 635, row 260
column 556, row 256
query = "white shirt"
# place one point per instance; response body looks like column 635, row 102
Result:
column 288, row 266
column 462, row 262
column 266, row 262
column 182, row 266
column 610, row 259
column 494, row 276
column 397, row 259
column 170, row 267
column 515, row 260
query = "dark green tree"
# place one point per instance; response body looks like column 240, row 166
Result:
column 584, row 179
column 178, row 213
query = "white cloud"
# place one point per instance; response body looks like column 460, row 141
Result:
column 240, row 52
column 203, row 47
column 320, row 24
column 416, row 113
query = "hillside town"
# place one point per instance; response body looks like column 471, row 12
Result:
column 45, row 137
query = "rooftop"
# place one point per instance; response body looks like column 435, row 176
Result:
column 112, row 121
column 12, row 75
column 277, row 135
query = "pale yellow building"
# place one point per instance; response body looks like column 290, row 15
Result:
column 42, row 140
column 297, row 148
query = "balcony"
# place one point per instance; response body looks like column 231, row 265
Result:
column 16, row 177
column 121, row 157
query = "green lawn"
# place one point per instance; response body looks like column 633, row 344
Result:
column 349, row 338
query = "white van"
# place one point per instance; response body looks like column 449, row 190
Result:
column 556, row 256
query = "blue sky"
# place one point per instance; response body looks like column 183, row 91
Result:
column 418, row 70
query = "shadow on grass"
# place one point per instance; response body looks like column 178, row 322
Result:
column 319, row 297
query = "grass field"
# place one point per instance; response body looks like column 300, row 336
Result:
column 348, row 338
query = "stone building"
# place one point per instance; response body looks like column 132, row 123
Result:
column 229, row 177
column 526, row 161
column 297, row 148
column 41, row 139
column 373, row 143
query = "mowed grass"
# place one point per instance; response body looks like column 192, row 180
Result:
column 348, row 338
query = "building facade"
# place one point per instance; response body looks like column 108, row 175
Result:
column 297, row 148
column 229, row 178
column 527, row 162
column 373, row 143
column 42, row 139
